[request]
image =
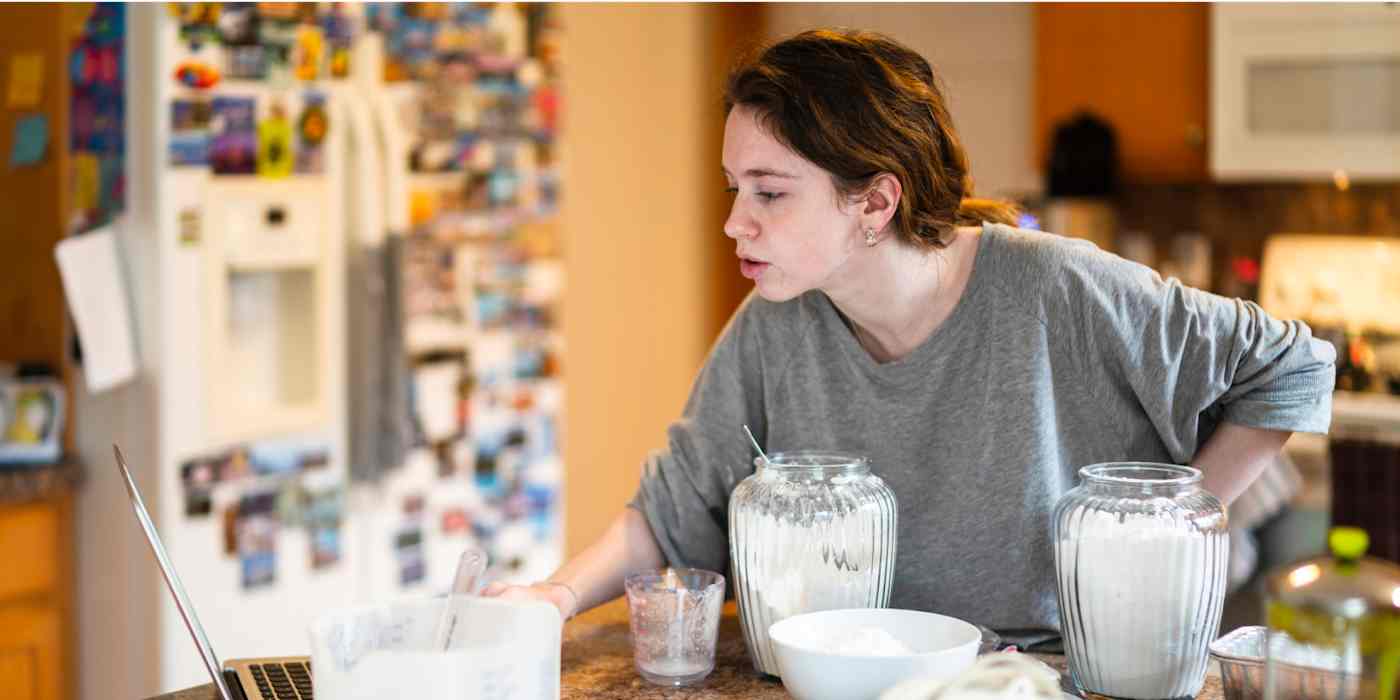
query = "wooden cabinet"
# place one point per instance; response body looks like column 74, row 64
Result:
column 37, row 634
column 1141, row 67
column 29, row 653
column 36, row 600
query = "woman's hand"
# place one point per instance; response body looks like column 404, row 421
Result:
column 560, row 595
column 596, row 575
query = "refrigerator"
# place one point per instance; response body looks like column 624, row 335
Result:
column 340, row 251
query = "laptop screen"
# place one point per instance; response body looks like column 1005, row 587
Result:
column 172, row 580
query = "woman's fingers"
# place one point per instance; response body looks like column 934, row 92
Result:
column 494, row 588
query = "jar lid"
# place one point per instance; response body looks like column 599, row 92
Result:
column 1344, row 584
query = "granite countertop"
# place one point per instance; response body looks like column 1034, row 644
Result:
column 597, row 663
column 24, row 483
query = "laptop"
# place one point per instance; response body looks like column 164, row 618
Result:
column 269, row 678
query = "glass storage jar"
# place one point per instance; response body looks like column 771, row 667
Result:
column 808, row 531
column 1140, row 558
column 1334, row 625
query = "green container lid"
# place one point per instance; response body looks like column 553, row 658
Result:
column 1344, row 584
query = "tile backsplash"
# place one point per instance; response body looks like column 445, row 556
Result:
column 1237, row 218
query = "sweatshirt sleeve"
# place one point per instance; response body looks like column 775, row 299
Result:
column 685, row 487
column 1194, row 359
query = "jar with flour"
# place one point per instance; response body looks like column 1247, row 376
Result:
column 808, row 531
column 1140, row 557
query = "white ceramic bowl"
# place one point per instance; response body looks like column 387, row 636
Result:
column 812, row 668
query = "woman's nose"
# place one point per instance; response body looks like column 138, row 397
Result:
column 738, row 226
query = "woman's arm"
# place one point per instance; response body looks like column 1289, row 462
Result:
column 596, row 575
column 1199, row 364
column 1234, row 456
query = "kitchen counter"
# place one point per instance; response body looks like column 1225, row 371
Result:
column 21, row 484
column 597, row 663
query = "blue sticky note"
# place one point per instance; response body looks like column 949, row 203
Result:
column 31, row 140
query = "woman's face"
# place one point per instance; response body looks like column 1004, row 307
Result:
column 791, row 236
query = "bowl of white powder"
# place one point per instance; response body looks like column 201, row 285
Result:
column 857, row 654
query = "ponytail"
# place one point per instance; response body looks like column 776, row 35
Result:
column 973, row 211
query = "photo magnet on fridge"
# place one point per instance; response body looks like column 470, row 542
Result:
column 189, row 131
column 238, row 24
column 325, row 545
column 275, row 156
column 311, row 127
column 257, row 532
column 233, row 150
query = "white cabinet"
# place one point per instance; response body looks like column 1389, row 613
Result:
column 1305, row 91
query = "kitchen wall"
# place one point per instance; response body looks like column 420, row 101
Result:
column 650, row 272
column 983, row 53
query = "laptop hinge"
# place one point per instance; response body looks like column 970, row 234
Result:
column 235, row 686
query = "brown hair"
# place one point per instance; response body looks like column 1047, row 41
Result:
column 858, row 104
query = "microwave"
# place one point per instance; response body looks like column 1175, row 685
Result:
column 1305, row 91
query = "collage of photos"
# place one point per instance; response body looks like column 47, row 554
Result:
column 244, row 106
column 260, row 489
column 482, row 271
column 480, row 264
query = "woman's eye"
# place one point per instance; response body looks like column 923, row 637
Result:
column 765, row 196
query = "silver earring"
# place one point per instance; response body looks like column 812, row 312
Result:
column 870, row 237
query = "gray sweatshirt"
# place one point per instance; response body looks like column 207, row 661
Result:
column 1059, row 355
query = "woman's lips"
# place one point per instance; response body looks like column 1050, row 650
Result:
column 752, row 269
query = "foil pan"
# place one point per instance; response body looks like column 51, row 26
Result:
column 1302, row 672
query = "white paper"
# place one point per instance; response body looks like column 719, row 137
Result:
column 436, row 385
column 97, row 298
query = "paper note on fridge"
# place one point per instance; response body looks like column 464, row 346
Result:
column 97, row 298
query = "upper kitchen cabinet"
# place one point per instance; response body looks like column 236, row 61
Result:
column 1143, row 68
column 1306, row 91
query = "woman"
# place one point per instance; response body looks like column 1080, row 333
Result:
column 977, row 365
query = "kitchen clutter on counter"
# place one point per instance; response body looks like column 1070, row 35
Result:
column 499, row 650
column 1140, row 558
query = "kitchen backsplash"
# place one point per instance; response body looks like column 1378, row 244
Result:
column 1237, row 218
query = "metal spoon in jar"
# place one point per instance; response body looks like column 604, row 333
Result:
column 755, row 444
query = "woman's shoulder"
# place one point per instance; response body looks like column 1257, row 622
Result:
column 1039, row 249
column 1049, row 261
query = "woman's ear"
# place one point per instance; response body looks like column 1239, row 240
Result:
column 881, row 201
